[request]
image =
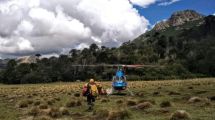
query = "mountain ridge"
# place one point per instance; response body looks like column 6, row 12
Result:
column 178, row 18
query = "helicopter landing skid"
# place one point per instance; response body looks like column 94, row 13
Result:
column 111, row 91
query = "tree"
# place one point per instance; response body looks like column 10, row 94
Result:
column 9, row 74
column 38, row 55
column 73, row 53
column 94, row 47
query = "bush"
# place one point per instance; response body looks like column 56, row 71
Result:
column 23, row 104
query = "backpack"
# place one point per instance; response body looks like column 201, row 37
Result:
column 85, row 90
column 90, row 90
column 93, row 90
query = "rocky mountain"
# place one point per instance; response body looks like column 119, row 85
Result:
column 179, row 18
column 27, row 59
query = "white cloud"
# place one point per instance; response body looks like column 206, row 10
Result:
column 168, row 2
column 54, row 26
column 143, row 3
column 24, row 28
column 214, row 14
column 19, row 44
column 146, row 3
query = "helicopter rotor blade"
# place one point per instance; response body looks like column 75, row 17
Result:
column 116, row 65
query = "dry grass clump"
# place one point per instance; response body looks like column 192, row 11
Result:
column 174, row 93
column 164, row 110
column 36, row 103
column 22, row 104
column 54, row 113
column 201, row 101
column 207, row 102
column 144, row 105
column 34, row 111
column 159, row 87
column 57, row 98
column 165, row 104
column 195, row 100
column 77, row 114
column 104, row 114
column 119, row 101
column 156, row 93
column 191, row 87
column 180, row 115
column 101, row 114
column 150, row 100
column 30, row 101
column 50, row 101
column 104, row 100
column 43, row 106
column 77, row 94
column 44, row 118
column 140, row 94
column 78, row 103
column 118, row 115
column 212, row 98
column 71, row 103
column 64, row 111
column 131, row 103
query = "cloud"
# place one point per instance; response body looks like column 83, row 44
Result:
column 168, row 2
column 143, row 3
column 214, row 14
column 19, row 44
column 55, row 26
column 146, row 3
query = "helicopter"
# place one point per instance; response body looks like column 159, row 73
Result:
column 119, row 81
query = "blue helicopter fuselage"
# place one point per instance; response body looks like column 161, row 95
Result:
column 119, row 85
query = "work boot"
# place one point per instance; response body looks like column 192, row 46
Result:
column 90, row 108
column 92, row 104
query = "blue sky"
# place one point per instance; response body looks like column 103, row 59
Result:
column 156, row 13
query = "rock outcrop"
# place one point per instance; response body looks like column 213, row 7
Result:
column 27, row 59
column 178, row 18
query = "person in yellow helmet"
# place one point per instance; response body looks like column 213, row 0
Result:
column 91, row 92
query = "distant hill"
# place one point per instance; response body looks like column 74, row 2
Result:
column 187, row 38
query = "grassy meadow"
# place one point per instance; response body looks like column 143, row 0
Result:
column 192, row 99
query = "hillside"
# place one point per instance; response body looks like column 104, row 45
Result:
column 185, row 50
column 191, row 44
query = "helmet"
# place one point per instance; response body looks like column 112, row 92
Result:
column 92, row 81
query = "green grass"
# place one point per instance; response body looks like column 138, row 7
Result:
column 8, row 112
column 177, row 92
